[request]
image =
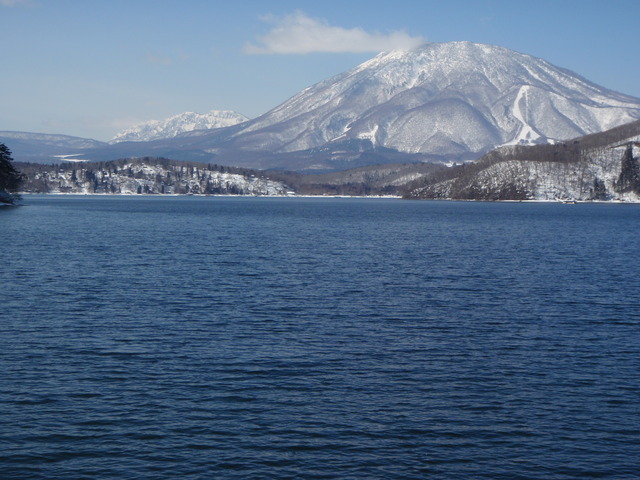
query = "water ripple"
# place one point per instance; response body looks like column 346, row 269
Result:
column 337, row 339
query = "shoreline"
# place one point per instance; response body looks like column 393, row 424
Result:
column 384, row 197
column 160, row 195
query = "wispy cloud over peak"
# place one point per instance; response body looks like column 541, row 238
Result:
column 300, row 34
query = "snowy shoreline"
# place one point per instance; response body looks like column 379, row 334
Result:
column 385, row 197
column 159, row 195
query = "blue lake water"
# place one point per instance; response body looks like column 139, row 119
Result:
column 281, row 338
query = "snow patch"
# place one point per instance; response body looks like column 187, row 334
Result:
column 527, row 134
column 370, row 135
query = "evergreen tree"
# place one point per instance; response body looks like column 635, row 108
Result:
column 629, row 179
column 10, row 178
column 599, row 190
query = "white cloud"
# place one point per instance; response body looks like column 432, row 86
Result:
column 298, row 33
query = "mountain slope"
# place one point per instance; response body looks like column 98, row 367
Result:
column 603, row 166
column 449, row 100
column 177, row 124
column 48, row 148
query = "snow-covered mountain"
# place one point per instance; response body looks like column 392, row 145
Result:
column 177, row 124
column 448, row 100
column 440, row 102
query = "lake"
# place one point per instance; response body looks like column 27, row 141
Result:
column 318, row 338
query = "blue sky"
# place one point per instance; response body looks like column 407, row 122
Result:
column 92, row 67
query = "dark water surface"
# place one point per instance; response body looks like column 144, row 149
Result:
column 256, row 338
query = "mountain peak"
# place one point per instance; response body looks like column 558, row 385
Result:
column 177, row 124
column 454, row 100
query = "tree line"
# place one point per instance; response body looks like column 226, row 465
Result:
column 142, row 175
column 10, row 177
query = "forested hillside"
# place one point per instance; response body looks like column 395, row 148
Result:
column 372, row 180
column 150, row 175
column 147, row 176
column 602, row 166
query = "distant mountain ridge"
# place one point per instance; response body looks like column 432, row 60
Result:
column 177, row 124
column 48, row 148
column 53, row 140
